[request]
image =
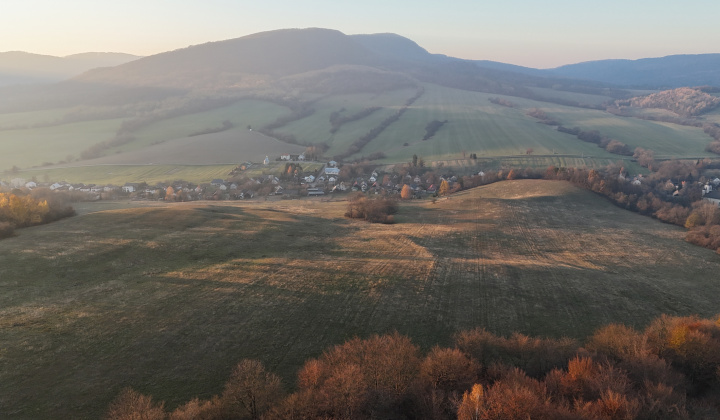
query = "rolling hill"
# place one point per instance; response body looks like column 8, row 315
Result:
column 650, row 73
column 166, row 298
column 18, row 67
column 386, row 87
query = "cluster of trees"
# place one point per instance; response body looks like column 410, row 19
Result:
column 19, row 210
column 502, row 101
column 683, row 101
column 539, row 114
column 359, row 143
column 669, row 370
column 337, row 119
column 375, row 210
column 432, row 128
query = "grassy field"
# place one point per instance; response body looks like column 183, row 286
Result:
column 665, row 139
column 316, row 128
column 29, row 118
column 475, row 125
column 168, row 298
column 35, row 146
column 582, row 98
column 240, row 114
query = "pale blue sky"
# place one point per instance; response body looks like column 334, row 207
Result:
column 531, row 33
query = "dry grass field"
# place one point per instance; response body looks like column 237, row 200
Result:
column 167, row 298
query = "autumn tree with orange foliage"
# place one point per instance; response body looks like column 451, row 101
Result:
column 406, row 193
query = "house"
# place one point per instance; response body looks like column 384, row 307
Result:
column 716, row 182
column 30, row 185
column 301, row 157
column 332, row 171
column 314, row 192
column 266, row 161
column 130, row 187
column 713, row 197
column 309, row 178
column 55, row 186
column 285, row 157
column 332, row 163
column 217, row 182
column 17, row 182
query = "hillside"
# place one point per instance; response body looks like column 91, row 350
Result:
column 18, row 67
column 168, row 298
column 653, row 73
column 288, row 84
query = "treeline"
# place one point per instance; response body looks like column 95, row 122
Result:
column 19, row 210
column 432, row 128
column 226, row 125
column 299, row 110
column 593, row 136
column 337, row 119
column 671, row 369
column 359, row 143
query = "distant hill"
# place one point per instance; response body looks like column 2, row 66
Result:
column 17, row 67
column 654, row 73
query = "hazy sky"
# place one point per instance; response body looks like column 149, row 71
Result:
column 527, row 32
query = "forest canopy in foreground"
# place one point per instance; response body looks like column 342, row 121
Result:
column 670, row 370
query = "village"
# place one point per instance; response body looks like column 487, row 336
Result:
column 286, row 179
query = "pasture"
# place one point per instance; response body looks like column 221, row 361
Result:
column 665, row 139
column 35, row 146
column 475, row 125
column 167, row 298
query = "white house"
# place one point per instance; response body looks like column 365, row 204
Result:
column 30, row 185
column 332, row 163
column 301, row 156
column 713, row 197
column 285, row 157
column 332, row 171
column 128, row 188
column 17, row 182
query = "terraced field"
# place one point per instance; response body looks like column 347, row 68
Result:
column 168, row 298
